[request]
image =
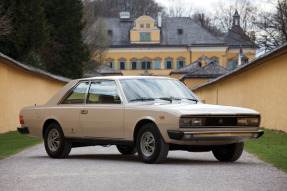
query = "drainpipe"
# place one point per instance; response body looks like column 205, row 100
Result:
column 189, row 54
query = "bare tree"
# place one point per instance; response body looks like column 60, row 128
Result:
column 5, row 22
column 206, row 22
column 95, row 36
column 178, row 8
column 112, row 8
column 223, row 14
column 272, row 26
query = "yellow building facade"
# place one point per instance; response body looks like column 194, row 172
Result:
column 146, row 46
column 259, row 85
column 23, row 86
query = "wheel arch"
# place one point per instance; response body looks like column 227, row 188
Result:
column 47, row 123
column 140, row 124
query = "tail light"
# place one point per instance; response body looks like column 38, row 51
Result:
column 21, row 119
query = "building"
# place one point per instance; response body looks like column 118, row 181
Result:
column 149, row 46
column 259, row 85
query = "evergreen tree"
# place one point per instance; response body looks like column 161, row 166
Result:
column 29, row 28
column 65, row 52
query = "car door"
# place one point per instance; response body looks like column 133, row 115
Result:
column 103, row 114
column 68, row 112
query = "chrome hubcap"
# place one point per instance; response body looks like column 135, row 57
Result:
column 53, row 140
column 147, row 144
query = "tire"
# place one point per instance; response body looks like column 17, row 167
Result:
column 150, row 145
column 228, row 153
column 55, row 143
column 126, row 150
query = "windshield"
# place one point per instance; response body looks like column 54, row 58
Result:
column 151, row 89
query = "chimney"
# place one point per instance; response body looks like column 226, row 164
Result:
column 159, row 19
column 240, row 55
column 124, row 16
column 203, row 60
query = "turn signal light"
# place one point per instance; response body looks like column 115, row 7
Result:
column 21, row 119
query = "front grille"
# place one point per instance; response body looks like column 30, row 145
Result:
column 220, row 121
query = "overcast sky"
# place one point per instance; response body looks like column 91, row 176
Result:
column 208, row 5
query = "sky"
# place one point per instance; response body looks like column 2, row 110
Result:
column 208, row 5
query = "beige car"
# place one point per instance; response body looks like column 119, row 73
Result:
column 147, row 115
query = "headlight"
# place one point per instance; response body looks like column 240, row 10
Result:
column 253, row 122
column 191, row 122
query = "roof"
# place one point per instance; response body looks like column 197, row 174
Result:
column 126, row 77
column 31, row 69
column 193, row 34
column 189, row 68
column 211, row 70
column 257, row 61
column 121, row 30
column 101, row 70
column 236, row 14
column 236, row 38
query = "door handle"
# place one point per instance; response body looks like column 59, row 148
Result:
column 84, row 111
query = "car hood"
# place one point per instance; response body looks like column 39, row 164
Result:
column 205, row 109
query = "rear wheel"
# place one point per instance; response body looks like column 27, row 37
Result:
column 126, row 150
column 56, row 145
column 228, row 153
column 150, row 144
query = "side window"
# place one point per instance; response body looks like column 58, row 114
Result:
column 77, row 96
column 103, row 92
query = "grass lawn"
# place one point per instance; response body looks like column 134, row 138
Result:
column 271, row 148
column 13, row 142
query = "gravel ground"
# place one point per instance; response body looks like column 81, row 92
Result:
column 99, row 168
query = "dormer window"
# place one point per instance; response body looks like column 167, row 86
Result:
column 141, row 25
column 179, row 31
column 110, row 32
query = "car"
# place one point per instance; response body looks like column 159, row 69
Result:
column 144, row 114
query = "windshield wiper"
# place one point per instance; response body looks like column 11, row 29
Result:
column 169, row 98
column 175, row 98
column 143, row 99
column 190, row 99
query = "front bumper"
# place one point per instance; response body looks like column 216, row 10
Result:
column 23, row 130
column 215, row 135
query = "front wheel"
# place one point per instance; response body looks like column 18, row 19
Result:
column 56, row 145
column 150, row 144
column 228, row 153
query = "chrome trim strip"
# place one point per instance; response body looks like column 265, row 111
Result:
column 217, row 132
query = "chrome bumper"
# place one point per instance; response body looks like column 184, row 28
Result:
column 215, row 135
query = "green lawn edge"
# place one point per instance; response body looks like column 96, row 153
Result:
column 13, row 142
column 270, row 148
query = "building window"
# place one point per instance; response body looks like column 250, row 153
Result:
column 156, row 64
column 146, row 65
column 122, row 66
column 134, row 66
column 145, row 36
column 168, row 65
column 180, row 31
column 141, row 25
column 180, row 64
column 110, row 32
column 111, row 64
column 147, row 25
column 236, row 22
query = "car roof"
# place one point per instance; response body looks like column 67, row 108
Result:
column 124, row 77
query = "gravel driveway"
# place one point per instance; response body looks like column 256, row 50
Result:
column 99, row 168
